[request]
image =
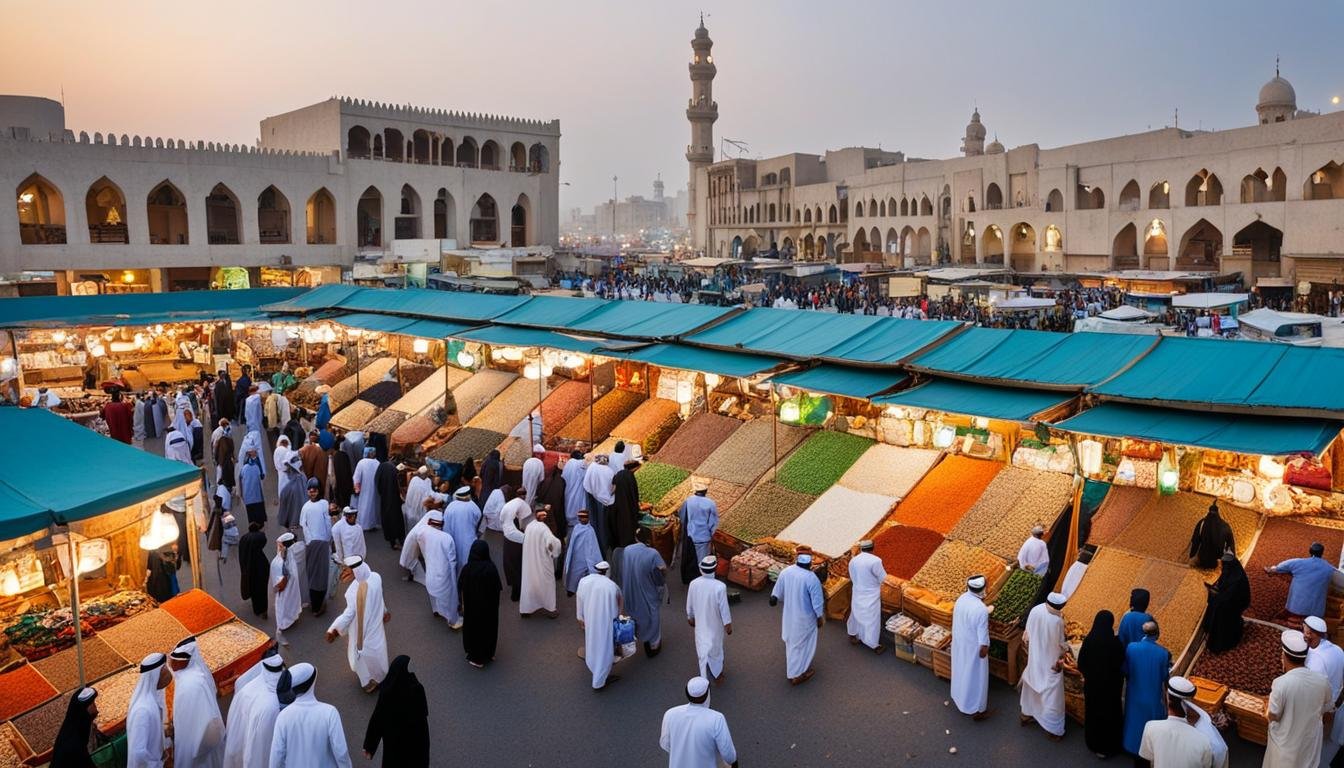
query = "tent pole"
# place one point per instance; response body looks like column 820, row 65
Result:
column 194, row 546
column 18, row 368
column 592, row 384
column 74, row 602
column 1071, row 551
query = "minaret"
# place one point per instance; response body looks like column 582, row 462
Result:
column 701, row 112
column 658, row 188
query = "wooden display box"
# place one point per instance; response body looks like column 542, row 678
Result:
column 838, row 599
column 1209, row 695
column 891, row 594
column 942, row 663
column 747, row 577
column 924, row 653
column 1007, row 669
column 1253, row 726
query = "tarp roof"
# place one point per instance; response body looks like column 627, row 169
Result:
column 530, row 337
column 1208, row 300
column 1243, row 433
column 969, row 399
column 1231, row 376
column 1024, row 303
column 551, row 311
column 425, row 302
column 38, row 488
column 696, row 359
column 433, row 329
column 860, row 383
column 804, row 335
column 1036, row 359
column 322, row 297
column 1126, row 312
column 648, row 319
column 369, row 321
column 139, row 308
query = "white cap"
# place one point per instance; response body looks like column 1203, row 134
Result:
column 462, row 493
column 349, row 511
column 1179, row 686
column 273, row 663
column 423, row 470
column 286, row 537
column 538, row 448
column 86, row 695
column 152, row 661
column 435, row 516
column 804, row 559
column 301, row 673
column 603, row 566
column 353, row 561
column 1316, row 623
column 699, row 484
column 1294, row 644
column 709, row 564
column 976, row 583
column 697, row 687
column 1037, row 529
column 1056, row 599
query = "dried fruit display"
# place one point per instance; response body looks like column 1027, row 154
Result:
column 115, row 607
column 1250, row 702
column 690, row 445
column 904, row 548
column 514, row 451
column 382, row 394
column 1016, row 596
column 766, row 511
column 934, row 636
column 348, row 389
column 39, row 727
column 62, row 669
column 151, row 632
column 509, row 408
column 656, row 480
column 1015, row 500
column 947, row 569
column 468, row 443
column 1251, row 666
column 889, row 470
column 431, row 390
column 477, row 392
column 114, row 697
column 946, row 493
column 820, row 461
column 1162, row 528
column 722, row 492
column 1122, row 504
column 197, row 611
column 1283, row 539
column 649, row 424
column 609, row 410
column 563, row 404
column 354, row 415
column 748, row 452
column 838, row 519
column 22, row 689
column 414, row 430
column 330, row 372
column 1183, row 612
column 413, row 375
column 38, row 634
column 386, row 422
column 229, row 642
column 9, row 756
column 1105, row 586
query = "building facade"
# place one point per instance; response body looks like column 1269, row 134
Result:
column 326, row 185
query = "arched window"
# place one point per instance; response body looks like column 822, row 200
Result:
column 858, row 210
column 422, row 147
column 484, row 221
column 1090, row 198
column 833, row 216
column 320, row 215
column 1325, row 183
column 369, row 219
column 1055, row 201
column 105, row 206
column 785, row 176
column 273, row 223
column 408, row 215
column 166, row 209
column 518, row 221
column 1130, row 197
column 771, row 213
column 467, row 155
column 394, row 145
column 357, row 145
column 993, row 197
column 539, row 158
column 517, row 157
column 1159, row 196
column 1203, row 189
column 222, row 224
column 490, row 155
column 446, row 152
column 807, row 215
column 925, row 207
column 905, row 207
column 883, row 211
column 1125, row 249
column 41, row 212
column 378, row 146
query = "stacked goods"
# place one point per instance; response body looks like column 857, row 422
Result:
column 1016, row 597
column 837, row 519
column 889, row 470
column 1177, row 595
column 468, row 443
column 934, row 636
column 904, row 549
column 62, row 669
column 430, row 391
column 1251, row 666
column 150, row 632
column 750, row 450
column 40, row 634
column 946, row 493
column 947, row 569
column 354, row 415
column 820, row 461
column 656, row 480
column 609, row 410
column 348, row 389
column 477, row 392
column 334, row 370
column 904, row 627
column 753, row 567
column 229, row 642
column 197, row 611
column 1015, row 500
column 382, row 394
column 766, row 511
column 115, row 607
column 1283, row 539
column 563, row 404
column 1162, row 528
column 23, row 689
column 1120, row 508
column 696, row 440
column 649, row 425
column 386, row 422
column 510, row 407
column 1106, row 586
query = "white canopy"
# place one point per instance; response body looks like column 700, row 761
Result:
column 1208, row 300
column 1127, row 313
column 708, row 262
column 1023, row 303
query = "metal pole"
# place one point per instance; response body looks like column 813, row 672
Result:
column 347, row 339
column 18, row 369
column 541, row 395
column 194, row 546
column 401, row 342
column 1071, row 551
column 591, row 394
column 74, row 602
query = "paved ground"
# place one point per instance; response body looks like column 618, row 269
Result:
column 535, row 707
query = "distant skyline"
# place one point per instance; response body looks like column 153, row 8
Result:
column 793, row 76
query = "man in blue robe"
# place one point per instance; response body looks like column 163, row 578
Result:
column 1147, row 667
column 1311, row 581
column 644, row 589
column 582, row 554
column 1131, row 624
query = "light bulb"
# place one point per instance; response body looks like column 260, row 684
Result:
column 790, row 412
column 465, row 359
column 712, row 380
column 420, row 346
column 9, row 583
column 162, row 531
column 532, row 371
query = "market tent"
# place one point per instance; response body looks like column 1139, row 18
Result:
column 1036, row 359
column 1242, row 433
column 648, row 319
column 550, row 311
column 687, row 358
column 367, row 321
column 861, row 383
column 1126, row 313
column 317, row 299
column 804, row 335
column 1023, row 303
column 509, row 336
column 57, row 472
column 139, row 308
column 427, row 303
column 1208, row 300
column 433, row 329
column 890, row 341
column 969, row 399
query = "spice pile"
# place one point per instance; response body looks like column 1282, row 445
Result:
column 430, row 391
column 354, row 415
column 1105, row 586
column 820, row 461
column 476, row 392
column 1014, row 501
column 468, row 443
column 348, row 389
column 649, row 425
column 609, row 410
column 416, row 429
column 197, row 611
column 1016, row 597
column 1121, row 506
column 229, row 642
column 750, row 450
column 382, row 394
column 22, row 689
column 114, row 697
column 1162, row 528
column 386, row 422
column 889, row 470
column 766, row 511
column 39, row 727
column 947, row 569
column 838, row 519
column 509, row 407
column 1283, row 539
column 563, row 404
column 9, row 755
column 1251, row 666
column 690, row 445
column 904, row 549
column 656, row 480
column 62, row 669
column 946, row 493
column 151, row 632
column 413, row 375
column 1182, row 613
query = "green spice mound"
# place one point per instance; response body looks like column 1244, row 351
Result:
column 820, row 461
column 655, row 480
column 1016, row 596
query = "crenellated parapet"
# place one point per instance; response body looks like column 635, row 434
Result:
column 366, row 108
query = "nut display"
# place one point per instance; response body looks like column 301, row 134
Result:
column 197, row 611
column 690, row 445
column 62, row 669
column 563, row 404
column 1105, row 586
column 656, row 480
column 820, row 461
column 946, row 493
column 477, row 392
column 766, row 511
column 1251, row 666
column 40, row 726
column 1115, row 514
column 114, row 697
column 750, row 450
column 431, row 390
column 386, row 422
column 468, row 443
column 650, row 424
column 509, row 407
column 888, row 470
column 9, row 754
column 947, row 569
column 838, row 519
column 1015, row 500
column 1283, row 539
column 347, row 389
column 904, row 548
column 229, row 642
column 609, row 410
column 354, row 415
column 151, row 632
column 1162, row 528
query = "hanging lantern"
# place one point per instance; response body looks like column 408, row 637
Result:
column 162, row 530
column 92, row 555
column 1271, row 468
column 790, row 412
column 943, row 437
column 686, row 391
column 58, row 337
column 465, row 359
column 1168, row 475
column 9, row 582
column 9, row 367
column 573, row 360
column 420, row 346
column 712, row 380
column 1089, row 456
column 532, row 371
column 236, row 326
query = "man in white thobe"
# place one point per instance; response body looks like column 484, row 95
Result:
column 252, row 411
column 598, row 484
column 284, row 585
column 803, row 615
column 176, row 447
column 1198, row 719
column 534, row 471
column 366, row 491
column 1298, row 701
column 1173, row 742
column 252, row 717
column 540, row 548
column 198, row 726
column 695, row 736
column 146, row 738
column 970, row 650
column 315, row 520
column 411, row 560
column 280, row 459
column 866, row 575
column 441, row 567
column 308, row 732
column 1326, row 658
column 1042, row 698
column 1034, row 556
column 707, row 612
column 418, row 489
column 597, row 603
column 575, row 497
column 462, row 519
column 362, row 624
column 347, row 538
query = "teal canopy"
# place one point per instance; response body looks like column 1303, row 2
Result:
column 987, row 400
column 554, row 312
column 861, row 383
column 368, row 321
column 890, row 341
column 648, row 319
column 429, row 303
column 1035, row 359
column 1242, row 433
column 328, row 296
column 57, row 472
column 530, row 337
column 1235, row 376
column 802, row 335
column 139, row 308
column 433, row 329
column 705, row 360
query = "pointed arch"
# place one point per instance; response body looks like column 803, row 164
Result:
column 357, row 143
column 223, row 223
column 166, row 210
column 1023, row 249
column 484, row 220
column 992, row 245
column 467, row 154
column 858, row 210
column 538, row 158
column 369, row 219
column 1264, row 243
column 892, row 242
column 1089, row 198
column 875, row 239
column 446, row 151
column 394, row 145
column 770, row 213
column 833, row 215
column 1201, row 248
column 907, row 249
column 445, row 216
column 1203, row 189
column 105, row 207
column 817, row 217
column 377, row 146
column 808, row 246
column 517, row 157
column 490, row 155
column 905, row 207
column 41, row 208
column 1155, row 241
column 925, row 206
column 993, row 197
column 1125, row 248
column 520, row 222
column 923, row 247
column 422, row 152
column 273, row 222
column 1130, row 197
column 1278, row 185
column 860, row 242
column 1324, row 183
column 807, row 215
column 1055, row 201
column 1159, row 195
column 320, row 218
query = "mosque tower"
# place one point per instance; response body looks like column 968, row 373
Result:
column 701, row 112
column 1278, row 100
column 973, row 143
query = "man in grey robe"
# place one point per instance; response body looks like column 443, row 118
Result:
column 582, row 554
column 644, row 584
column 295, row 494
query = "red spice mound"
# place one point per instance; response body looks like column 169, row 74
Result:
column 905, row 548
column 23, row 689
column 197, row 611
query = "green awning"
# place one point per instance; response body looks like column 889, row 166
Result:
column 57, row 472
column 504, row 335
column 322, row 297
column 861, row 383
column 431, row 304
column 890, row 340
column 1038, row 359
column 648, row 319
column 553, row 312
column 807, row 335
column 987, row 400
column 1241, row 433
column 368, row 321
column 433, row 329
column 139, row 308
column 713, row 361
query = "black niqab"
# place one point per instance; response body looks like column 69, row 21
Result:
column 400, row 720
column 1101, row 660
column 492, row 474
column 1228, row 599
column 479, row 587
column 72, row 741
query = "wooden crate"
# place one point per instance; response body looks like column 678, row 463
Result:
column 1209, row 695
column 1253, row 726
column 891, row 594
column 1074, row 707
column 937, row 615
column 1007, row 669
column 837, row 602
column 942, row 663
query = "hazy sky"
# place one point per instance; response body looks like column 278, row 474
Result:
column 793, row 76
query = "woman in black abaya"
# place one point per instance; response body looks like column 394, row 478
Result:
column 479, row 587
column 1101, row 661
column 400, row 720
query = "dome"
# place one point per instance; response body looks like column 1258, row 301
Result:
column 1277, row 93
column 974, row 130
column 994, row 148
